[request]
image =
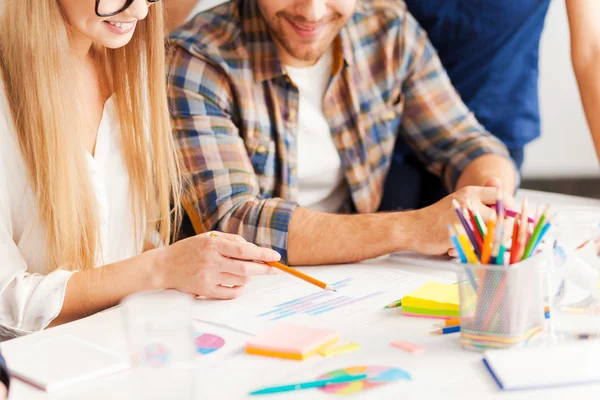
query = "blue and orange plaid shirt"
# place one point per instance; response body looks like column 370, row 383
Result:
column 235, row 111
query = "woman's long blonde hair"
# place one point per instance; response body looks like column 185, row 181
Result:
column 38, row 75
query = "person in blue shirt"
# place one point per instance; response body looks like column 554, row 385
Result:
column 490, row 50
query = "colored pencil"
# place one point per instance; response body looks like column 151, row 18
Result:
column 463, row 256
column 466, row 226
column 310, row 384
column 487, row 241
column 478, row 219
column 298, row 274
column 541, row 237
column 536, row 233
column 449, row 322
column 445, row 331
column 500, row 256
column 523, row 229
column 513, row 214
column 466, row 246
column 514, row 246
column 395, row 304
column 456, row 244
column 478, row 235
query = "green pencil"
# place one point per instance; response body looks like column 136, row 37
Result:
column 395, row 304
column 536, row 233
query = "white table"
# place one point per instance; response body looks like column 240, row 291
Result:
column 445, row 371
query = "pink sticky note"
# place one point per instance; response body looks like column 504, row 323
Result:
column 409, row 347
column 291, row 341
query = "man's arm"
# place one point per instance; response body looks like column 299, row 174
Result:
column 440, row 128
column 482, row 169
column 584, row 22
column 226, row 193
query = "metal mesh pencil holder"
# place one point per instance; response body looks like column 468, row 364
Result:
column 500, row 306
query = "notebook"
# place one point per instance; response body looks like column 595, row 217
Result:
column 291, row 341
column 540, row 367
column 64, row 360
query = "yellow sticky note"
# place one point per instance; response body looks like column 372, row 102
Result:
column 336, row 351
column 433, row 296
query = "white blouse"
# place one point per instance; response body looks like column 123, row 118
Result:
column 30, row 297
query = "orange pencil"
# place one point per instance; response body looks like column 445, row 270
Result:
column 298, row 274
column 486, row 252
column 452, row 322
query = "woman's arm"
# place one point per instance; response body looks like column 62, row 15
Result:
column 584, row 22
column 198, row 265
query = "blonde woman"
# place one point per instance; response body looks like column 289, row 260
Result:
column 87, row 172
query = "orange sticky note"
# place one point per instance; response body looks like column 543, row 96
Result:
column 291, row 341
column 409, row 347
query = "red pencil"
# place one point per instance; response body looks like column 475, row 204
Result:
column 475, row 229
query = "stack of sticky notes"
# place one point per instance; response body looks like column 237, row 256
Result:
column 291, row 341
column 432, row 300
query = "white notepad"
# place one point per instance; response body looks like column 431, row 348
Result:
column 540, row 367
column 60, row 361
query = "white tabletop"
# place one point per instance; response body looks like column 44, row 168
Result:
column 444, row 371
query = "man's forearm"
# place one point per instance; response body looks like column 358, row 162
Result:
column 316, row 238
column 483, row 168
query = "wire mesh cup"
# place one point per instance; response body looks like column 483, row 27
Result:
column 501, row 306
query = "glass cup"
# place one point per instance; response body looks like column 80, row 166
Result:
column 159, row 328
column 574, row 273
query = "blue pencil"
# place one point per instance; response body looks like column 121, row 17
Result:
column 461, row 255
column 445, row 331
column 542, row 233
column 309, row 385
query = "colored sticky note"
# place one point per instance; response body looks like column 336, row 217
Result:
column 336, row 351
column 409, row 347
column 291, row 341
column 433, row 296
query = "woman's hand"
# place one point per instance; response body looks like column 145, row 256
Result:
column 216, row 265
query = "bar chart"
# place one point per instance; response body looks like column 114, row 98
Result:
column 317, row 303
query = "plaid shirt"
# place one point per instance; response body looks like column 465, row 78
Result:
column 235, row 112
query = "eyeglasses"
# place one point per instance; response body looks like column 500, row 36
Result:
column 109, row 8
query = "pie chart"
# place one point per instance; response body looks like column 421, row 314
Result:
column 377, row 376
column 207, row 343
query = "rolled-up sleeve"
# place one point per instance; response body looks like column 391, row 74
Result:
column 224, row 189
column 28, row 302
column 438, row 125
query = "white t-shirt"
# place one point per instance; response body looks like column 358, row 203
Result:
column 322, row 186
column 30, row 297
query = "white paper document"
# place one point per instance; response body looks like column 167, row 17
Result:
column 362, row 292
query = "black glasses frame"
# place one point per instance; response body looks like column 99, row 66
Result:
column 127, row 4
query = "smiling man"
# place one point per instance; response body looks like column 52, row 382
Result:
column 286, row 113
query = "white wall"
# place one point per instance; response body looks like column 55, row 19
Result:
column 565, row 148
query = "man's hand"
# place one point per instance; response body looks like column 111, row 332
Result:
column 508, row 200
column 431, row 223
